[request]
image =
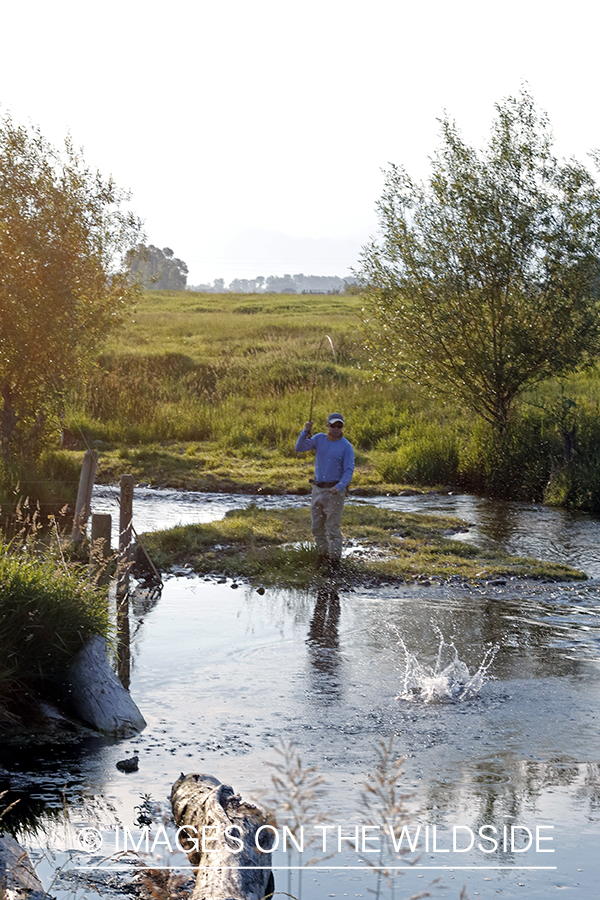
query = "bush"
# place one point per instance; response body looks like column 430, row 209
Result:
column 575, row 482
column 514, row 465
column 46, row 484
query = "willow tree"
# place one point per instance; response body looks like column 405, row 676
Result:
column 483, row 280
column 64, row 236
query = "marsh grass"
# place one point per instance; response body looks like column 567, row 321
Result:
column 45, row 483
column 274, row 547
column 294, row 801
column 209, row 392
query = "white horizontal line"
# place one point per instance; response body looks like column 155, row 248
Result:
column 330, row 868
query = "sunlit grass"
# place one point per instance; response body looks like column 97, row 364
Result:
column 275, row 547
column 233, row 375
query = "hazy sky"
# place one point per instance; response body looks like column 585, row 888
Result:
column 252, row 133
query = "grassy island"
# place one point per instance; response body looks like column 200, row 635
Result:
column 273, row 547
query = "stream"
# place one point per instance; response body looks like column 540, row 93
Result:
column 491, row 693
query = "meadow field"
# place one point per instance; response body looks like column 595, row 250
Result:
column 209, row 392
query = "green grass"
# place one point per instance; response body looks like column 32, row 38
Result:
column 46, row 613
column 273, row 547
column 209, row 392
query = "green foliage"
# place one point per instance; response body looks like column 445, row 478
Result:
column 63, row 285
column 46, row 614
column 43, row 484
column 575, row 482
column 196, row 400
column 484, row 280
column 515, row 464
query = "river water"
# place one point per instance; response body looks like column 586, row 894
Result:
column 503, row 781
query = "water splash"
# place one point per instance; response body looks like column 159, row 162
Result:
column 448, row 679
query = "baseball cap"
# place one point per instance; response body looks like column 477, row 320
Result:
column 335, row 417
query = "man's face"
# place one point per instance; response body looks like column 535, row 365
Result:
column 334, row 430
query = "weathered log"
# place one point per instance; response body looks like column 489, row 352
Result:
column 225, row 835
column 96, row 695
column 17, row 875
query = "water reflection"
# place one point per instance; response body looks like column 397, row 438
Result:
column 505, row 787
column 123, row 641
column 323, row 645
column 222, row 676
column 323, row 631
column 45, row 780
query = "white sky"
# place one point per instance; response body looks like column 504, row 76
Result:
column 252, row 133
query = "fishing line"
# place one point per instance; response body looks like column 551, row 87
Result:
column 312, row 393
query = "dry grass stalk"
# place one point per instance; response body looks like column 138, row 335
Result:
column 382, row 801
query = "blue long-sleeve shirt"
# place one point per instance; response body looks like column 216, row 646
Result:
column 334, row 460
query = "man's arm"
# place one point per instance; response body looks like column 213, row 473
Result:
column 305, row 442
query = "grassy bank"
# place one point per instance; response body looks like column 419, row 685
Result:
column 209, row 392
column 46, row 613
column 273, row 547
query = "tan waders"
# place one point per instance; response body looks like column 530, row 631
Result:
column 326, row 510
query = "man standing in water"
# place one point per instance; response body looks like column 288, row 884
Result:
column 334, row 467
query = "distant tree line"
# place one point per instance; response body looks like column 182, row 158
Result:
column 160, row 270
column 157, row 270
column 279, row 284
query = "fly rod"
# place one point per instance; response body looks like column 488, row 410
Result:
column 312, row 393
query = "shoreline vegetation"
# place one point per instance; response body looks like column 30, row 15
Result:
column 48, row 610
column 273, row 548
column 209, row 392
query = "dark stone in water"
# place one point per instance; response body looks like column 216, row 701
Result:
column 131, row 764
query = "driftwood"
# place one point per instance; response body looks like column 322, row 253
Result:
column 17, row 875
column 207, row 807
column 96, row 695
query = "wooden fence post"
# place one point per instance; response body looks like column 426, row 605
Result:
column 125, row 532
column 100, row 545
column 84, row 495
column 123, row 566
